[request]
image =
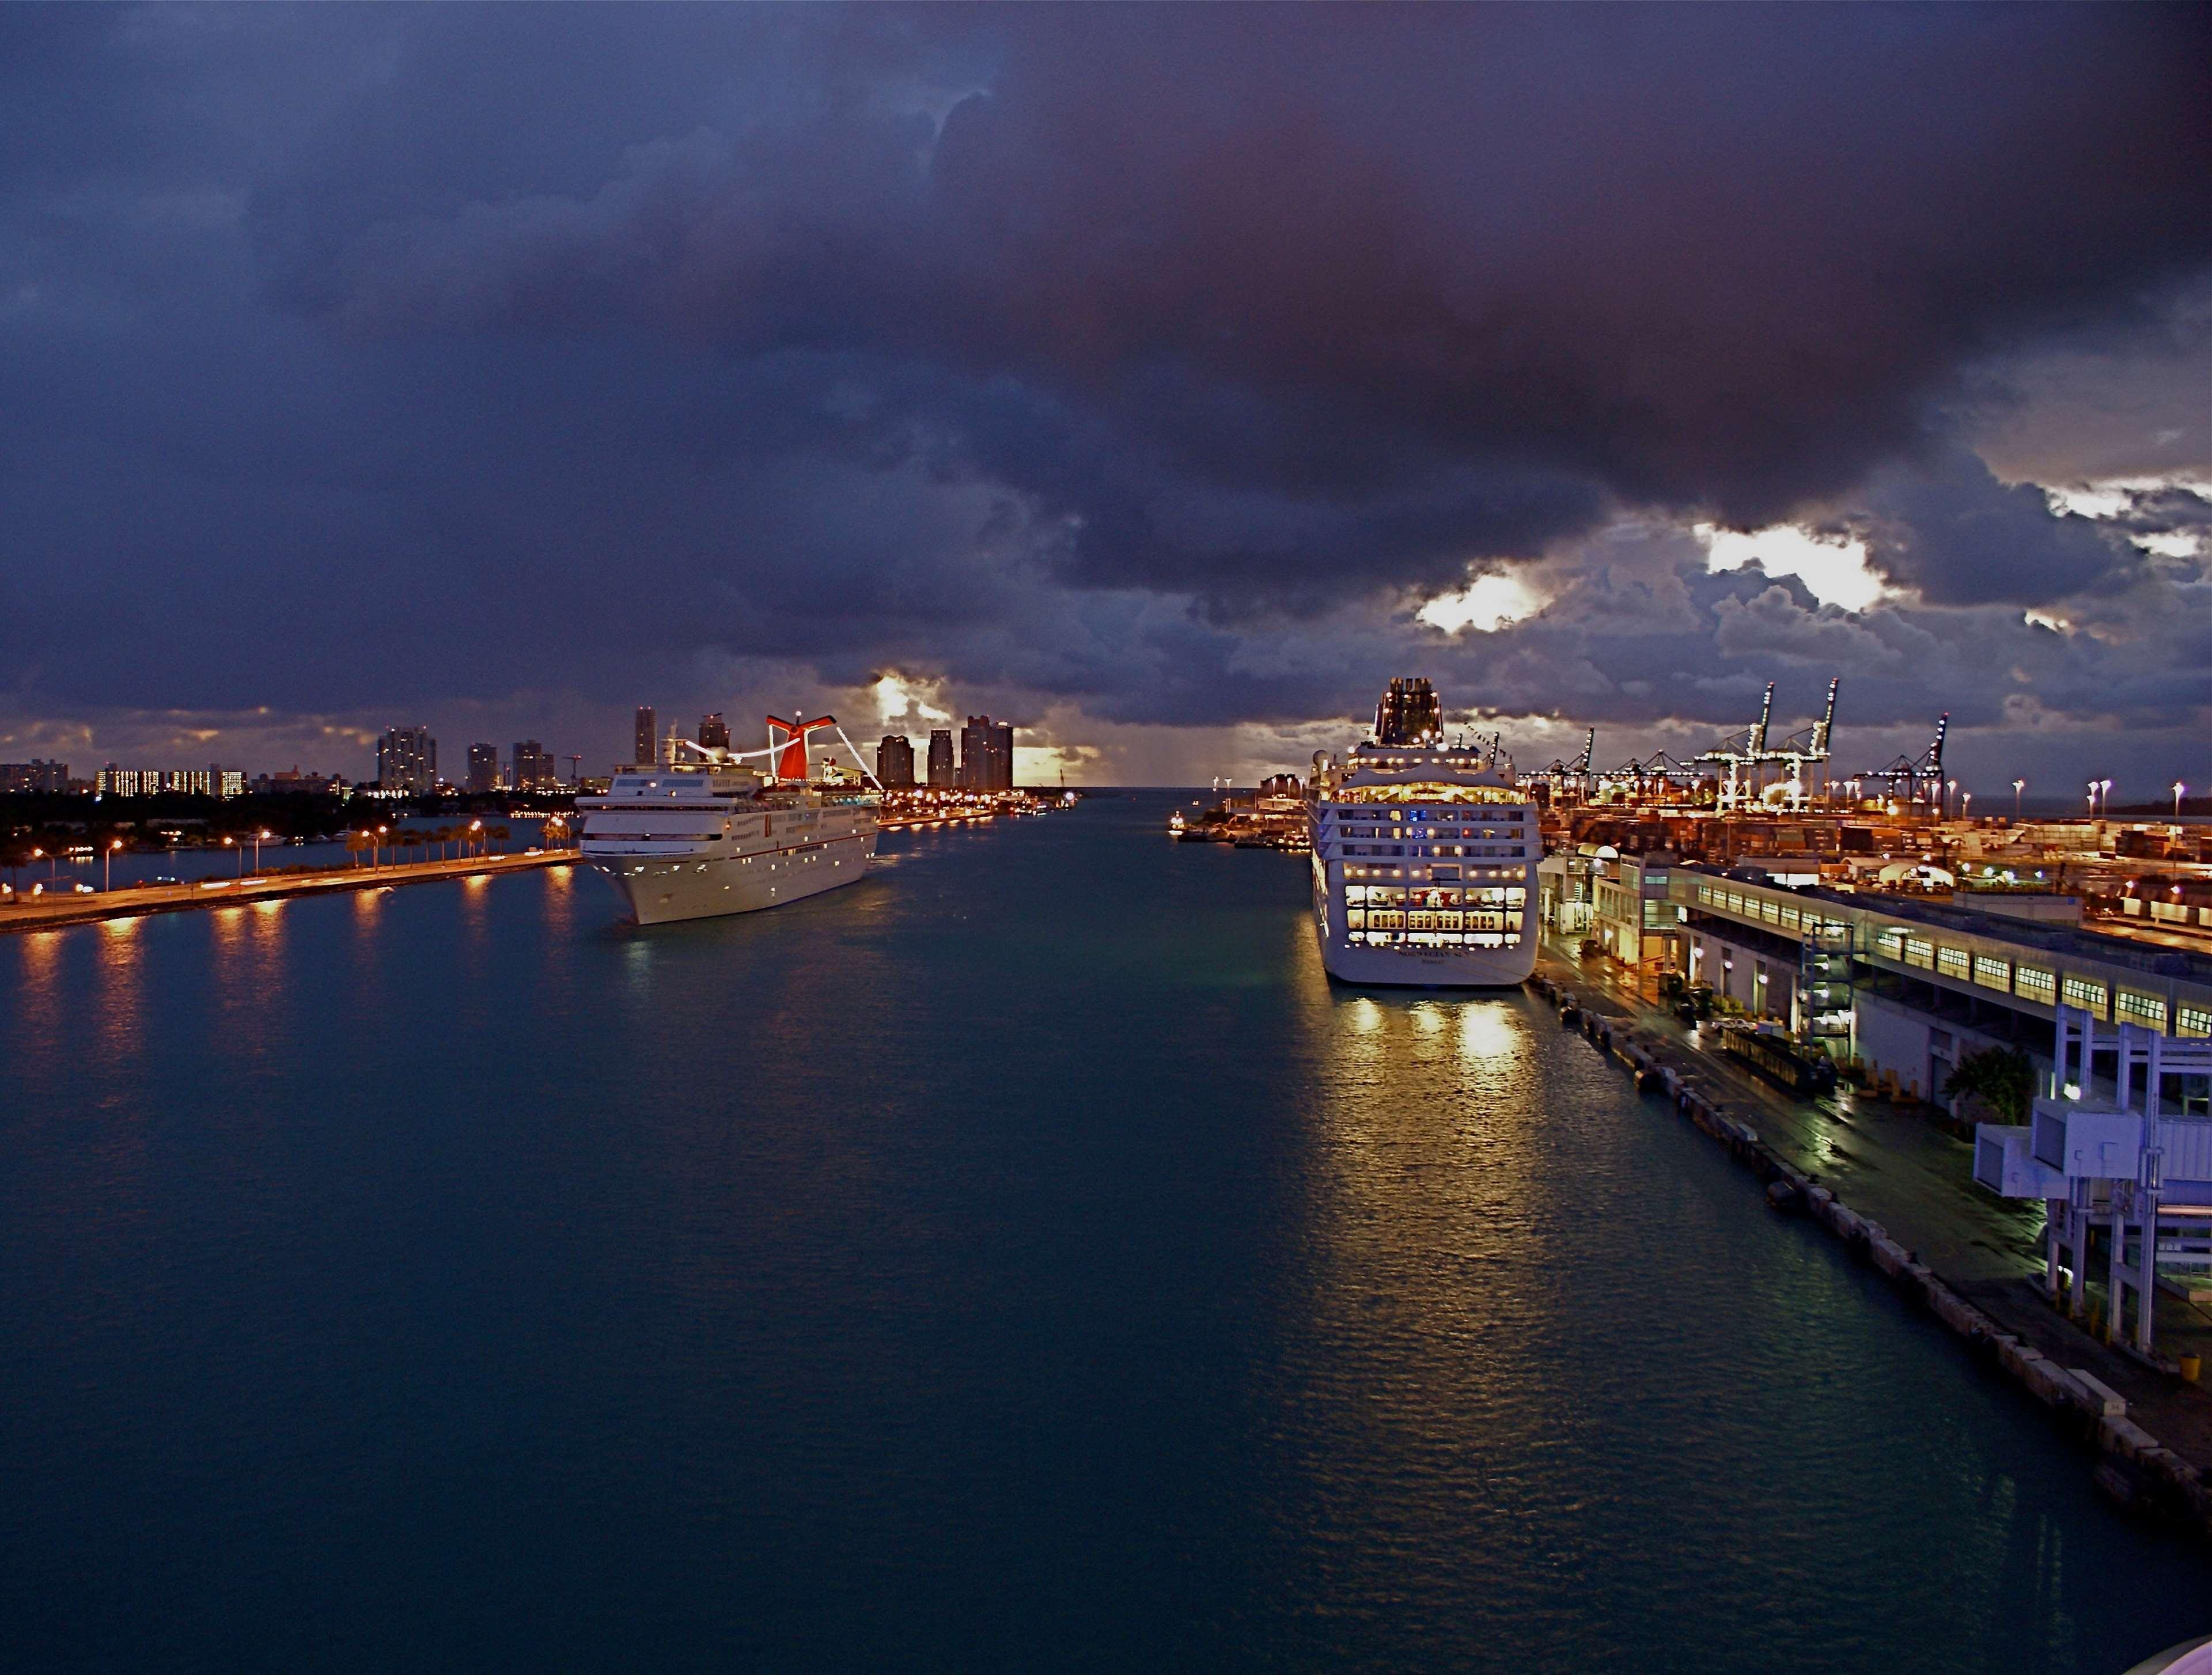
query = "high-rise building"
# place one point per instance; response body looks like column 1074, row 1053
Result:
column 714, row 731
column 534, row 767
column 941, row 775
column 986, row 755
column 484, row 769
column 895, row 762
column 648, row 747
column 407, row 760
column 36, row 774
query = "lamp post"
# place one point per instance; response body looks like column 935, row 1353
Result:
column 2093, row 799
column 1967, row 805
column 259, row 838
column 2018, row 786
column 2178, row 789
column 2105, row 796
column 372, row 849
column 107, row 864
column 1950, row 791
column 476, row 828
column 228, row 843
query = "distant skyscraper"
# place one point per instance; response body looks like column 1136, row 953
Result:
column 36, row 774
column 648, row 748
column 407, row 760
column 484, row 769
column 941, row 775
column 534, row 767
column 714, row 731
column 986, row 755
column 895, row 762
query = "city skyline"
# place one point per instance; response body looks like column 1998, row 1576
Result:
column 1911, row 392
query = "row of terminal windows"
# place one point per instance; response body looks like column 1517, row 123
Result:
column 1767, row 909
column 2038, row 984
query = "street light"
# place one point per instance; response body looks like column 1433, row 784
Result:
column 2093, row 799
column 1966, row 806
column 2105, row 796
column 477, row 826
column 107, row 864
column 2018, row 786
column 1950, row 789
column 226, row 843
column 259, row 838
column 372, row 848
column 2178, row 789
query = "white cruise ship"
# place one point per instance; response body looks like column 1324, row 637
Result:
column 695, row 839
column 1424, row 855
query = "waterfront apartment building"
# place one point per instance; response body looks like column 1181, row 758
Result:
column 484, row 769
column 986, row 755
column 291, row 782
column 895, row 762
column 534, row 767
column 648, row 751
column 406, row 760
column 34, row 775
column 209, row 781
column 941, row 774
column 714, row 731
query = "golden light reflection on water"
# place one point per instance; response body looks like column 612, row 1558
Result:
column 119, row 954
column 1431, row 1206
column 35, row 997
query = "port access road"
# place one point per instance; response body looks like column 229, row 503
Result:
column 41, row 913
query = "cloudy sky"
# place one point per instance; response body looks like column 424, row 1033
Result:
column 1162, row 379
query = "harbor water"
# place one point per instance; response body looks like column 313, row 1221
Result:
column 1024, row 1258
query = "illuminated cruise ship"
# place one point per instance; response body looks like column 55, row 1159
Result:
column 695, row 839
column 1424, row 855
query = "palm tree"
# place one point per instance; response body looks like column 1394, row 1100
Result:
column 2002, row 1078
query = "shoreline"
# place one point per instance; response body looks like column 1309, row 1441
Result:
column 2102, row 1396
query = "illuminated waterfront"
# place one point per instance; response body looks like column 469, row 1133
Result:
column 1022, row 1257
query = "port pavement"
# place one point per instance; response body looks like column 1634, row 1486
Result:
column 1909, row 1184
column 46, row 912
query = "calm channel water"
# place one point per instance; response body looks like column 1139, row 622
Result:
column 1022, row 1259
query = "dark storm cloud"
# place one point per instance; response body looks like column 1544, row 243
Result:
column 1709, row 258
column 1951, row 531
column 1151, row 360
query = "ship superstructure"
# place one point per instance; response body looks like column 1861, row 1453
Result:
column 712, row 835
column 1424, row 855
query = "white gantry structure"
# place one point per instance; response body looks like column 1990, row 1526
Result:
column 2135, row 1163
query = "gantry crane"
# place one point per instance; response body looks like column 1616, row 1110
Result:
column 1917, row 779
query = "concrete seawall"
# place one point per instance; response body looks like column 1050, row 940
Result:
column 2134, row 1468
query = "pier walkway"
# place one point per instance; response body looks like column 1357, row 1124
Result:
column 1894, row 1167
column 41, row 912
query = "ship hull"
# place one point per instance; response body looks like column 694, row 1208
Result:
column 662, row 892
column 1411, row 968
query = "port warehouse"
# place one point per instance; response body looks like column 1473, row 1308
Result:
column 1907, row 985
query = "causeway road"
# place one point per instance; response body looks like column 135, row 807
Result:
column 42, row 913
